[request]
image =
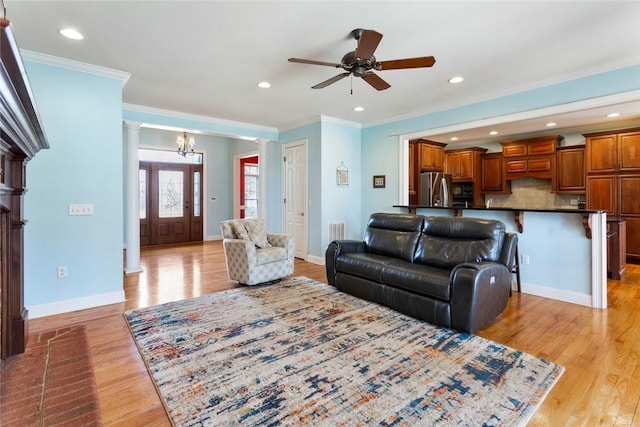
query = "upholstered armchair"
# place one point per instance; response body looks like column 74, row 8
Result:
column 254, row 256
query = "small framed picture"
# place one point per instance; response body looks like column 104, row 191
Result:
column 342, row 177
column 379, row 181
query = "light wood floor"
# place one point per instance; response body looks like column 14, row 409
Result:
column 600, row 349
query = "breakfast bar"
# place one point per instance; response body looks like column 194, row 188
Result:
column 563, row 252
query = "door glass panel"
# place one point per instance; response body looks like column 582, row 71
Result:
column 250, row 191
column 196, row 194
column 142, row 197
column 170, row 194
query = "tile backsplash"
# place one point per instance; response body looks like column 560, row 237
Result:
column 533, row 193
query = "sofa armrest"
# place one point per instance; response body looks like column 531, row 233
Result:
column 336, row 248
column 479, row 293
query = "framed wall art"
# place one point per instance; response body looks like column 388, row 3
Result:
column 379, row 181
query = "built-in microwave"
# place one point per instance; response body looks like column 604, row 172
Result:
column 462, row 194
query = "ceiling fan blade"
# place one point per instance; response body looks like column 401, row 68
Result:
column 367, row 44
column 330, row 81
column 399, row 64
column 374, row 80
column 312, row 62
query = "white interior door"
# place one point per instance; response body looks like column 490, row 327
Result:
column 295, row 191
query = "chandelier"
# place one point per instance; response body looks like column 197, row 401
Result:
column 182, row 142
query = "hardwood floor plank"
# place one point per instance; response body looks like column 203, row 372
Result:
column 600, row 349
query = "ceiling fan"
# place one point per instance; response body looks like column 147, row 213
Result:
column 361, row 61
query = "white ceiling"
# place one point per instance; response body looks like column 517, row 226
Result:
column 206, row 57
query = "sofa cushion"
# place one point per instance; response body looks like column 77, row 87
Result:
column 393, row 235
column 239, row 230
column 257, row 233
column 421, row 279
column 368, row 266
column 446, row 242
column 271, row 254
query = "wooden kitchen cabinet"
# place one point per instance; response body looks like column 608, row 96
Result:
column 613, row 181
column 492, row 178
column 570, row 171
column 532, row 157
column 464, row 165
column 413, row 195
column 619, row 197
column 616, row 248
column 430, row 155
column 613, row 152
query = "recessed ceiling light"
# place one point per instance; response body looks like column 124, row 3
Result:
column 454, row 138
column 456, row 79
column 550, row 124
column 264, row 85
column 613, row 115
column 358, row 108
column 72, row 34
column 493, row 132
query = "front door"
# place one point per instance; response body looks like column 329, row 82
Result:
column 173, row 205
column 295, row 200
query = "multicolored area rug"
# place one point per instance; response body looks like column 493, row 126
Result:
column 302, row 353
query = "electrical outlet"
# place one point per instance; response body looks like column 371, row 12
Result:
column 525, row 260
column 62, row 272
column 574, row 202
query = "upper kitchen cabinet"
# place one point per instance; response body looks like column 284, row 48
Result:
column 533, row 157
column 430, row 155
column 613, row 152
column 570, row 175
column 493, row 176
column 464, row 164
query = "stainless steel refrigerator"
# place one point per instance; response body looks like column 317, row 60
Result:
column 435, row 189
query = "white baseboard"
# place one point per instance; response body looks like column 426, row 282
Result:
column 557, row 294
column 213, row 237
column 315, row 259
column 65, row 306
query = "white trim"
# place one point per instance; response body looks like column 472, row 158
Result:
column 297, row 125
column 72, row 65
column 315, row 259
column 212, row 237
column 330, row 119
column 75, row 304
column 557, row 294
column 598, row 224
column 199, row 118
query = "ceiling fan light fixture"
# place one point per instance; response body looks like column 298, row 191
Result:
column 264, row 85
column 456, row 79
column 358, row 108
column 71, row 33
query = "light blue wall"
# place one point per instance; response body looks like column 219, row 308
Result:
column 82, row 118
column 340, row 143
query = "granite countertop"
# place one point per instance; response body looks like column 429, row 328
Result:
column 497, row 208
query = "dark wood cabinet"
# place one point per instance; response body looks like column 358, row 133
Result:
column 533, row 157
column 570, row 175
column 613, row 181
column 430, row 155
column 492, row 178
column 613, row 152
column 616, row 248
column 464, row 165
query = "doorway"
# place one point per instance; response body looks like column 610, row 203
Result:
column 295, row 194
column 170, row 203
column 249, row 176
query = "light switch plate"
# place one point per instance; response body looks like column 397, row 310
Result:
column 81, row 209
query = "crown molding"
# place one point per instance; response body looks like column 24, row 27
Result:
column 72, row 65
column 198, row 118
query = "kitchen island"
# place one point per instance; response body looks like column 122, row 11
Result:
column 563, row 252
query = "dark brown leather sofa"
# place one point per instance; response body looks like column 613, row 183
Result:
column 450, row 271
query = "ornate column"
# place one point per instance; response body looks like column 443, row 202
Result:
column 132, row 218
column 262, row 182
